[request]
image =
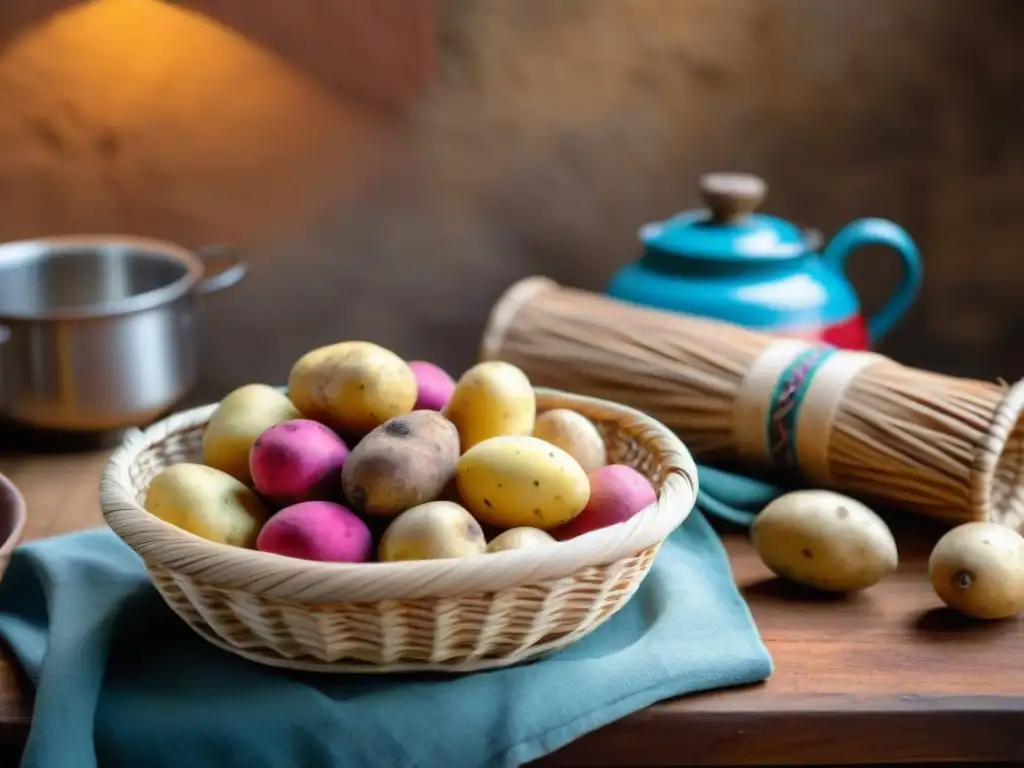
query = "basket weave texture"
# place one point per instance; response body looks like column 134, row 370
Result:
column 458, row 614
column 12, row 521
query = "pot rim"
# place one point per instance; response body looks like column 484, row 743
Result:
column 139, row 302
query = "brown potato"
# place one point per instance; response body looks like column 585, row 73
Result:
column 405, row 462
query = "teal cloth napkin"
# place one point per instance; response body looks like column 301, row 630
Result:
column 121, row 681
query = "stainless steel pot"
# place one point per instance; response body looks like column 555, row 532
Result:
column 97, row 333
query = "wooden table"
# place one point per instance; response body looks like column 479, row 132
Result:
column 886, row 676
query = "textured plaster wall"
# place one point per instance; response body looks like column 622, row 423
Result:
column 551, row 130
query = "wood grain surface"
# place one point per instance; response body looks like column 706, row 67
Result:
column 886, row 676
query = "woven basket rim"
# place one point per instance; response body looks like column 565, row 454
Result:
column 275, row 576
column 13, row 507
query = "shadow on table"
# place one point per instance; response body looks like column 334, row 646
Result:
column 20, row 439
column 777, row 589
column 944, row 625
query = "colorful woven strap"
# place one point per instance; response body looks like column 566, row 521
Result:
column 788, row 402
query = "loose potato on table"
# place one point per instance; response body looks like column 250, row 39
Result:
column 207, row 502
column 352, row 386
column 298, row 460
column 241, row 417
column 514, row 481
column 824, row 540
column 492, row 399
column 431, row 531
column 978, row 569
column 405, row 462
column 575, row 434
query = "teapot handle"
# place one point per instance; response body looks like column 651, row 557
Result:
column 862, row 232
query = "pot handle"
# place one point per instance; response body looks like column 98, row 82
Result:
column 223, row 268
column 862, row 232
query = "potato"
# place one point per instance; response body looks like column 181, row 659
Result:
column 353, row 386
column 298, row 460
column 241, row 417
column 431, row 531
column 575, row 434
column 492, row 399
column 617, row 493
column 521, row 481
column 824, row 540
column 317, row 530
column 207, row 502
column 520, row 538
column 978, row 569
column 404, row 462
column 434, row 386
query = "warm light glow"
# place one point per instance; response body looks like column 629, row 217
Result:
column 138, row 114
column 123, row 57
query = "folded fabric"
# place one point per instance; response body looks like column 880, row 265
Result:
column 733, row 498
column 121, row 681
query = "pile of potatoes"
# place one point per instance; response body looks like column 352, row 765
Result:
column 370, row 457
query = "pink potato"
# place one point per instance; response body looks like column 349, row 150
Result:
column 617, row 493
column 298, row 460
column 317, row 530
column 435, row 386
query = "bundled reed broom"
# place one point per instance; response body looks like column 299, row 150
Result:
column 945, row 447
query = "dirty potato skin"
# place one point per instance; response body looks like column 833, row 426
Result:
column 352, row 386
column 405, row 462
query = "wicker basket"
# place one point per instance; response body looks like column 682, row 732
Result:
column 439, row 615
column 13, row 515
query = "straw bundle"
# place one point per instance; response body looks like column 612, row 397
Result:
column 857, row 422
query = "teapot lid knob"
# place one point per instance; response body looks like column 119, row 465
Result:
column 731, row 196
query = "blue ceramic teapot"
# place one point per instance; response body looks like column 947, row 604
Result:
column 730, row 263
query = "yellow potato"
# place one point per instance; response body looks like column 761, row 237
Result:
column 520, row 538
column 431, row 531
column 352, row 386
column 824, row 540
column 575, row 434
column 491, row 399
column 241, row 417
column 207, row 502
column 978, row 569
column 521, row 481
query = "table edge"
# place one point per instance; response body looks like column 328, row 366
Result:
column 809, row 729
